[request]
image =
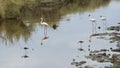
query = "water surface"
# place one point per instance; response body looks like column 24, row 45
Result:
column 61, row 48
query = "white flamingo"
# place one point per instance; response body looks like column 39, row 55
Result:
column 94, row 24
column 103, row 18
column 45, row 25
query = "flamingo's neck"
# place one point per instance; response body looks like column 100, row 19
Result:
column 90, row 17
column 41, row 21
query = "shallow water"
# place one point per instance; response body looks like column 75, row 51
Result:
column 61, row 47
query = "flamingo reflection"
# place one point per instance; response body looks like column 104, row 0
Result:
column 94, row 24
column 90, row 41
column 92, row 36
column 44, row 39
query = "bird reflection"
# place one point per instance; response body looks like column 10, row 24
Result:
column 25, row 55
column 90, row 41
column 44, row 39
column 93, row 36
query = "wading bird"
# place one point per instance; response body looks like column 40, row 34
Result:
column 45, row 25
column 94, row 24
column 103, row 18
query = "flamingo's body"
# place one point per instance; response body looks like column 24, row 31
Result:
column 43, row 23
column 92, row 19
column 102, row 18
column 94, row 24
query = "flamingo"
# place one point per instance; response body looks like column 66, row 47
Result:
column 103, row 18
column 93, row 20
column 45, row 25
